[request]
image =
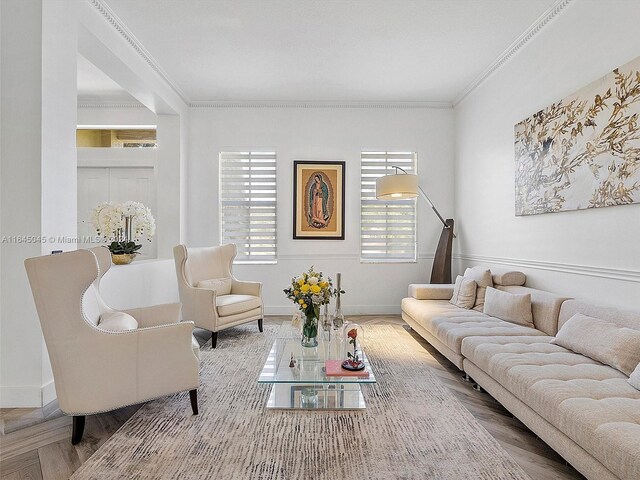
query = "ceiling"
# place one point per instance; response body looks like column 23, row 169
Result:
column 324, row 50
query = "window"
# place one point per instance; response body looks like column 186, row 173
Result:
column 387, row 228
column 248, row 204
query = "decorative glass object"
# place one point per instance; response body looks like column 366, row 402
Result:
column 310, row 328
column 354, row 361
column 326, row 323
column 338, row 318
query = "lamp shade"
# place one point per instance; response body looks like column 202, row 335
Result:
column 397, row 187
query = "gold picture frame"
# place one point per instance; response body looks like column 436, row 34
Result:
column 318, row 200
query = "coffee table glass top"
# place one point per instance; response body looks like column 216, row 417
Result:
column 309, row 364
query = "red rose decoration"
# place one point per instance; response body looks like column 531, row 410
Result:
column 353, row 333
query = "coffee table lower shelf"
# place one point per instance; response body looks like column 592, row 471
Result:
column 326, row 396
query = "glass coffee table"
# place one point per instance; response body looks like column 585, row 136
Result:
column 305, row 385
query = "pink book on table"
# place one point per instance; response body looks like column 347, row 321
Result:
column 333, row 368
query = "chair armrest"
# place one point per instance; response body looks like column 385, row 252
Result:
column 166, row 361
column 431, row 291
column 199, row 306
column 157, row 315
column 246, row 288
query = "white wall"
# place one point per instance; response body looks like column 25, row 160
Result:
column 38, row 177
column 324, row 134
column 592, row 254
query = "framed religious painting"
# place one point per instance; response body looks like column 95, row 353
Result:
column 318, row 200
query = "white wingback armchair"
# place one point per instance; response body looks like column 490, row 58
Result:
column 211, row 296
column 103, row 359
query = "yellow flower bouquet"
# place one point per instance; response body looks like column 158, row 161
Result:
column 309, row 292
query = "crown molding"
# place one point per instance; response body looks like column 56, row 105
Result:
column 327, row 104
column 551, row 13
column 589, row 270
column 110, row 16
column 87, row 104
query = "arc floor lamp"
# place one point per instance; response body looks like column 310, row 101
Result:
column 400, row 186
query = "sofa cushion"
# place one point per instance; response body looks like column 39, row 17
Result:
column 508, row 278
column 464, row 293
column 482, row 276
column 606, row 342
column 634, row 379
column 545, row 307
column 422, row 311
column 511, row 307
column 117, row 322
column 233, row 304
column 222, row 286
column 584, row 399
column 453, row 330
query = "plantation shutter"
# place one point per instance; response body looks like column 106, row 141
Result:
column 248, row 204
column 387, row 228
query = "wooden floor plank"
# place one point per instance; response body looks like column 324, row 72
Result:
column 58, row 460
column 31, row 472
column 19, row 462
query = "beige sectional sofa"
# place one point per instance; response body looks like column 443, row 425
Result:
column 583, row 409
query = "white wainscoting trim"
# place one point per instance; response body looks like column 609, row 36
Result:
column 110, row 16
column 589, row 270
column 340, row 256
column 552, row 12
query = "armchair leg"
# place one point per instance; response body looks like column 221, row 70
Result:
column 260, row 324
column 78, row 429
column 193, row 396
column 214, row 339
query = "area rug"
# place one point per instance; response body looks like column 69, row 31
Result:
column 413, row 427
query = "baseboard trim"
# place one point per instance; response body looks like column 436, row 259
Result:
column 22, row 396
column 588, row 270
column 48, row 392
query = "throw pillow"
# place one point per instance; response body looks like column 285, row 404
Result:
column 464, row 293
column 222, row 286
column 511, row 307
column 605, row 342
column 482, row 277
column 117, row 322
column 634, row 379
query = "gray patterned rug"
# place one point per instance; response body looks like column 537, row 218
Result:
column 413, row 428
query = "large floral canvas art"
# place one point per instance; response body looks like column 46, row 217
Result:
column 583, row 151
column 318, row 203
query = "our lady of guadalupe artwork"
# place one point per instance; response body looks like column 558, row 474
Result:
column 318, row 200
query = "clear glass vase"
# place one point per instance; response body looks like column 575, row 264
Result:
column 310, row 327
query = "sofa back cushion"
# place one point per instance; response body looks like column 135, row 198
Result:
column 545, row 307
column 482, row 277
column 464, row 293
column 619, row 316
column 605, row 342
column 508, row 278
column 511, row 307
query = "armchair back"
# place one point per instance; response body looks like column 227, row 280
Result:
column 206, row 263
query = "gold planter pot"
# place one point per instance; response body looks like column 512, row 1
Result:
column 122, row 258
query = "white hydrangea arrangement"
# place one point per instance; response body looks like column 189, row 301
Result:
column 123, row 224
